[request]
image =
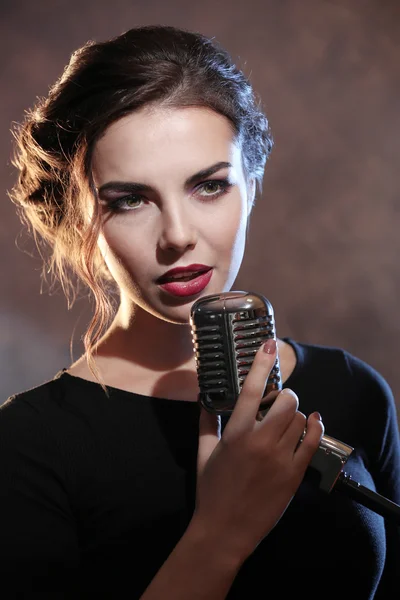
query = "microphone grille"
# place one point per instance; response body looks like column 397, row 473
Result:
column 227, row 330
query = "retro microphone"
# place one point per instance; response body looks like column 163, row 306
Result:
column 227, row 330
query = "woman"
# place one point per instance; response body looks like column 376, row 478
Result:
column 140, row 171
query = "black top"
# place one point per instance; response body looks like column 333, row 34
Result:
column 95, row 492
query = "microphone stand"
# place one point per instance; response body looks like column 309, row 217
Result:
column 329, row 461
column 372, row 500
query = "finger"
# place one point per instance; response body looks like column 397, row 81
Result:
column 311, row 440
column 294, row 432
column 249, row 399
column 209, row 436
column 280, row 415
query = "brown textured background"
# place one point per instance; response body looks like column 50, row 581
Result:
column 324, row 241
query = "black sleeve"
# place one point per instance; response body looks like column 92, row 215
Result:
column 383, row 442
column 38, row 541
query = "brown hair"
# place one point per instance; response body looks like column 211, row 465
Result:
column 102, row 83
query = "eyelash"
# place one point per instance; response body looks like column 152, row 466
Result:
column 117, row 205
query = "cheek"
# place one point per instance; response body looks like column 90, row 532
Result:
column 110, row 246
column 229, row 229
column 121, row 252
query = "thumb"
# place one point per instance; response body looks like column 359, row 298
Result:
column 209, row 436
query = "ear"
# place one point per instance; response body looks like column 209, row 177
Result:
column 251, row 192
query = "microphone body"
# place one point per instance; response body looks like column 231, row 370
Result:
column 227, row 330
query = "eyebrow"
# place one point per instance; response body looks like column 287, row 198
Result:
column 124, row 186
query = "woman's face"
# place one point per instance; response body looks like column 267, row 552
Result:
column 160, row 213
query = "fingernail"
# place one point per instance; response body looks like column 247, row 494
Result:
column 317, row 415
column 270, row 346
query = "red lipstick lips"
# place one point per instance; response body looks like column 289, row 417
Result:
column 186, row 281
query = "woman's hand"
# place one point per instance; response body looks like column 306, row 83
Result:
column 247, row 477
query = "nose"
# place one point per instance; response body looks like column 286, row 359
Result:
column 178, row 231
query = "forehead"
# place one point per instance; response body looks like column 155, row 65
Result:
column 182, row 139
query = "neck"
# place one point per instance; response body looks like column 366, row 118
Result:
column 138, row 336
column 142, row 353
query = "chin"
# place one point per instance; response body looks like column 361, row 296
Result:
column 176, row 315
column 180, row 317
